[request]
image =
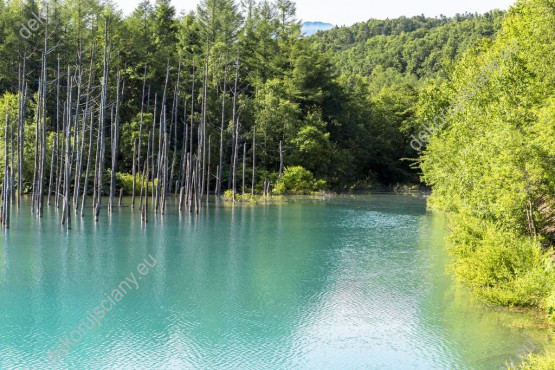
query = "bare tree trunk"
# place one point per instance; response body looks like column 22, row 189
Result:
column 66, row 215
column 67, row 167
column 222, row 128
column 134, row 173
column 202, row 146
column 102, row 122
column 44, row 112
column 233, row 128
column 139, row 147
column 235, row 147
column 152, row 151
column 59, row 153
column 164, row 186
column 174, row 125
column 86, row 185
column 184, row 148
column 20, row 156
column 189, row 169
column 115, row 144
column 244, row 165
column 78, row 139
column 280, row 161
column 218, row 182
column 79, row 171
column 11, row 192
column 144, row 209
column 36, row 163
column 253, row 159
column 162, row 147
column 21, row 131
column 190, row 162
column 6, row 182
column 208, row 170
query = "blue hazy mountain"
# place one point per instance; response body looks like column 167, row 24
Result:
column 310, row 28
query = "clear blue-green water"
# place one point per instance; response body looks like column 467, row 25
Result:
column 344, row 283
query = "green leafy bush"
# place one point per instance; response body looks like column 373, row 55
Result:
column 549, row 306
column 501, row 266
column 298, row 180
column 125, row 181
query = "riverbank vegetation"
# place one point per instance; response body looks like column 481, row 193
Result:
column 491, row 165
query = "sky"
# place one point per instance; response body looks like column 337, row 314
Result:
column 347, row 12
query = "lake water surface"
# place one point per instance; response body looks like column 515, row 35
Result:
column 352, row 282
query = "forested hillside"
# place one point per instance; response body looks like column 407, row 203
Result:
column 233, row 86
column 418, row 46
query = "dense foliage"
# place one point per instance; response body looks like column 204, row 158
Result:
column 491, row 166
column 386, row 66
column 346, row 115
column 418, row 46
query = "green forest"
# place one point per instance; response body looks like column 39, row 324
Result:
column 241, row 71
column 232, row 99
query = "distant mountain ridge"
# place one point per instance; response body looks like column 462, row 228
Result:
column 310, row 28
column 419, row 46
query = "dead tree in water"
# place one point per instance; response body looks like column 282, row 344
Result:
column 114, row 143
column 280, row 161
column 174, row 126
column 6, row 196
column 86, row 185
column 11, row 174
column 222, row 127
column 101, row 125
column 144, row 209
column 253, row 159
column 59, row 152
column 79, row 165
column 235, row 125
column 138, row 170
column 184, row 147
column 66, row 215
column 40, row 187
column 244, row 165
column 36, row 161
column 161, row 145
column 134, row 172
column 208, row 170
column 21, row 141
column 234, row 171
column 151, row 156
column 234, row 121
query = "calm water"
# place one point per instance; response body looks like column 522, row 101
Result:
column 347, row 283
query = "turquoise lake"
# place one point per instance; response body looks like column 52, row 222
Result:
column 349, row 282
